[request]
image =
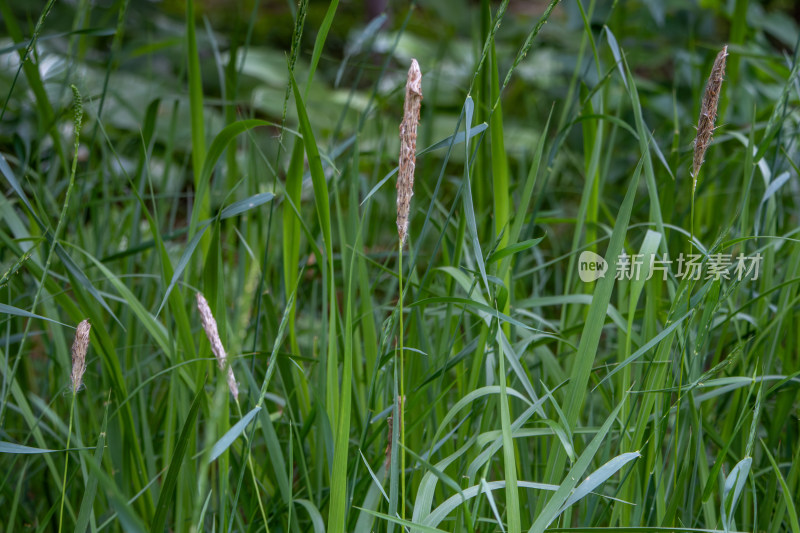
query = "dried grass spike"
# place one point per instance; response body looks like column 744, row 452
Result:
column 79, row 348
column 388, row 452
column 408, row 148
column 390, row 429
column 708, row 113
column 210, row 327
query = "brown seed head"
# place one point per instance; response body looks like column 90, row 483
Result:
column 79, row 348
column 408, row 148
column 708, row 113
column 210, row 327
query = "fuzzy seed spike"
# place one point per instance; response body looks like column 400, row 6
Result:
column 408, row 148
column 708, row 113
column 210, row 327
column 80, row 346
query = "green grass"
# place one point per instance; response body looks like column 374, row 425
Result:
column 250, row 152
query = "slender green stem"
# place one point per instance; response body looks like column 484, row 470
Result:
column 691, row 216
column 78, row 118
column 402, row 398
column 253, row 471
column 66, row 461
column 683, row 353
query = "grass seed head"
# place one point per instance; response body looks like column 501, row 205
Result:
column 79, row 348
column 77, row 109
column 708, row 113
column 408, row 148
column 210, row 327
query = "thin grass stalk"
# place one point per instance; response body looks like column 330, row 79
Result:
column 210, row 327
column 389, row 444
column 252, row 469
column 81, row 343
column 26, row 54
column 79, row 348
column 402, row 390
column 405, row 190
column 77, row 121
column 705, row 131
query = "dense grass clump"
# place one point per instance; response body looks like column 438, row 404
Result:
column 213, row 316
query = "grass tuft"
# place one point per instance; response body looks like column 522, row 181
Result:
column 553, row 335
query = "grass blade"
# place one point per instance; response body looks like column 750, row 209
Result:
column 165, row 498
column 236, row 430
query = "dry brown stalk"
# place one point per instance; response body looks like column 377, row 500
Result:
column 708, row 113
column 390, row 428
column 210, row 327
column 408, row 148
column 79, row 348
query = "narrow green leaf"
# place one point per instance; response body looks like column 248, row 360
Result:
column 590, row 337
column 598, row 477
column 195, row 98
column 449, row 142
column 11, row 310
column 232, row 434
column 469, row 208
column 732, row 490
column 512, row 249
column 556, row 504
column 314, row 514
column 165, row 498
column 209, row 161
column 450, row 504
column 242, row 206
column 10, row 447
column 87, row 502
column 788, row 497
column 319, row 43
column 509, row 456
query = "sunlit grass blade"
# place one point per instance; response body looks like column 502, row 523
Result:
column 560, row 500
column 587, row 349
